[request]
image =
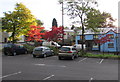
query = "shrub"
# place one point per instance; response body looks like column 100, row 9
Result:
column 80, row 53
column 55, row 49
column 101, row 55
column 29, row 47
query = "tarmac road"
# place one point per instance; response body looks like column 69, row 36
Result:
column 25, row 67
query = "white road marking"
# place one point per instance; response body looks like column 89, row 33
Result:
column 50, row 65
column 11, row 74
column 40, row 64
column 82, row 59
column 101, row 61
column 91, row 79
column 48, row 77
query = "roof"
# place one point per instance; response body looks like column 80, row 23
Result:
column 68, row 30
column 68, row 46
column 102, row 33
column 41, row 47
column 110, row 31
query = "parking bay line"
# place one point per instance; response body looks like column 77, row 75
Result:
column 51, row 65
column 10, row 74
column 101, row 61
column 48, row 77
column 82, row 59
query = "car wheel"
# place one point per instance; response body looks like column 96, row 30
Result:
column 53, row 54
column 26, row 52
column 5, row 54
column 60, row 58
column 44, row 56
column 73, row 57
column 33, row 56
column 14, row 53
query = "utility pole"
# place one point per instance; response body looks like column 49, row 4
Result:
column 61, row 2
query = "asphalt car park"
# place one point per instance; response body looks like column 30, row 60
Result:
column 25, row 67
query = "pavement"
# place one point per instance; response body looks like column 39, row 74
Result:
column 25, row 67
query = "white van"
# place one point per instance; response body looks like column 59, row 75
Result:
column 79, row 46
column 51, row 43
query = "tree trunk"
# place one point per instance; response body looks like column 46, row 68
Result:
column 82, row 37
column 13, row 35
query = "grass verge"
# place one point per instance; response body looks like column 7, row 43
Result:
column 101, row 55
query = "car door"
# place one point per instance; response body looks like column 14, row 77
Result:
column 19, row 49
column 48, row 51
column 16, row 49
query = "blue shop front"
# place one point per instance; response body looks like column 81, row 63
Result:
column 108, row 42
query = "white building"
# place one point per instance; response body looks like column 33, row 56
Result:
column 68, row 33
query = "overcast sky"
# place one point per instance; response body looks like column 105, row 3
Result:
column 46, row 10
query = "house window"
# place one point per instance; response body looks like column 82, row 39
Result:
column 111, row 45
column 95, row 36
column 111, row 36
column 81, row 37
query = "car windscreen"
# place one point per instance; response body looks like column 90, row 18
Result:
column 38, row 49
column 6, row 45
column 65, row 49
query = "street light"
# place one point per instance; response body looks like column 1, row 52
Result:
column 61, row 2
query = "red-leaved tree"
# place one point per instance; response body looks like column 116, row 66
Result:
column 35, row 33
column 104, row 39
column 55, row 34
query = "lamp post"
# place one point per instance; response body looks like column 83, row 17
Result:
column 61, row 2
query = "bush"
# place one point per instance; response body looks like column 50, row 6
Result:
column 55, row 49
column 29, row 47
column 101, row 55
column 81, row 53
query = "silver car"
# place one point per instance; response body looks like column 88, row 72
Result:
column 67, row 52
column 42, row 51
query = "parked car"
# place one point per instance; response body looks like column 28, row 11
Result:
column 42, row 51
column 79, row 46
column 51, row 43
column 14, row 49
column 67, row 52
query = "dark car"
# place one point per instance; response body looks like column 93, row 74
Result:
column 42, row 51
column 14, row 49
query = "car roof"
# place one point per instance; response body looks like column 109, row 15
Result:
column 42, row 47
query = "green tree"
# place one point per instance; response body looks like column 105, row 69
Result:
column 96, row 19
column 108, row 20
column 18, row 21
column 39, row 22
column 93, row 20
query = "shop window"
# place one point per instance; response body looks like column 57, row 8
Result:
column 95, row 45
column 95, row 36
column 81, row 37
column 111, row 45
column 111, row 36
